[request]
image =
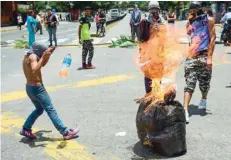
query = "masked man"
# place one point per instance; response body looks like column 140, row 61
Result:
column 198, row 65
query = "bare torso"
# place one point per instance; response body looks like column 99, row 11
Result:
column 32, row 78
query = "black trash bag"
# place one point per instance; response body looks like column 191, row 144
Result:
column 163, row 127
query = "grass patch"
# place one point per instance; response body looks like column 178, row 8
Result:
column 21, row 44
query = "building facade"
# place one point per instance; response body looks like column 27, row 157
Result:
column 10, row 9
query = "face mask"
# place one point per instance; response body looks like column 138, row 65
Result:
column 154, row 13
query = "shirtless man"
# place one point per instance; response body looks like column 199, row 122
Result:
column 33, row 61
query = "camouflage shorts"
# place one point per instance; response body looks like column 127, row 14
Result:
column 195, row 69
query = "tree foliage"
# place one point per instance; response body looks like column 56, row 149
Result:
column 39, row 5
column 62, row 6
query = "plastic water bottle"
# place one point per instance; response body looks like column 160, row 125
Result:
column 65, row 66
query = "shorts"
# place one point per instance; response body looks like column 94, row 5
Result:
column 195, row 69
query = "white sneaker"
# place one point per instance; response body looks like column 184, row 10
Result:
column 186, row 117
column 202, row 104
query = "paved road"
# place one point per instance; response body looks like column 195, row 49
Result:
column 67, row 33
column 101, row 103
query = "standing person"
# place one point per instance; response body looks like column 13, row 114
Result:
column 57, row 17
column 102, row 20
column 31, row 27
column 152, row 28
column 39, row 23
column 224, row 20
column 97, row 22
column 20, row 21
column 171, row 17
column 60, row 17
column 52, row 26
column 135, row 23
column 33, row 61
column 198, row 65
column 86, row 40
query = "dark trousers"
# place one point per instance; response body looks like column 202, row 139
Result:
column 87, row 48
column 148, row 83
column 135, row 29
column 40, row 27
column 20, row 26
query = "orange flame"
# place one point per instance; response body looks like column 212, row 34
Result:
column 161, row 56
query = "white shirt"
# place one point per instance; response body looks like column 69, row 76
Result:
column 38, row 18
column 19, row 19
column 226, row 17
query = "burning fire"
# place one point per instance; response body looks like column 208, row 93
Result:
column 161, row 56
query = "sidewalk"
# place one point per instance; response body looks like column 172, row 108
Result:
column 11, row 28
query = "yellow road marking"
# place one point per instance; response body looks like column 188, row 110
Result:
column 17, row 95
column 105, row 80
column 66, row 150
column 9, row 121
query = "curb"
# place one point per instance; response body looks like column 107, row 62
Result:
column 12, row 29
column 219, row 25
column 77, row 45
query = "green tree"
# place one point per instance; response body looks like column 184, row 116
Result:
column 124, row 4
column 39, row 5
column 60, row 6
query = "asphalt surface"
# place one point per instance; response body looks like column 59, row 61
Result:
column 100, row 102
column 67, row 34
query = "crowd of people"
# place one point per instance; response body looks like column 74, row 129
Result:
column 198, row 67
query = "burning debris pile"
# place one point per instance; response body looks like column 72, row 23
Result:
column 160, row 120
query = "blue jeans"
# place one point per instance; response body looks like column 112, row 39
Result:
column 52, row 31
column 31, row 38
column 42, row 101
column 223, row 31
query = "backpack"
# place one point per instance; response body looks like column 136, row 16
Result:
column 144, row 30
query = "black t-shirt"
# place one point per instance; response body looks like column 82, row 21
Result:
column 171, row 16
column 102, row 16
column 52, row 21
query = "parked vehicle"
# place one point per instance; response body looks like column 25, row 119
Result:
column 115, row 13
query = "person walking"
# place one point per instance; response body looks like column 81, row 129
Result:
column 20, row 21
column 39, row 23
column 86, row 40
column 171, row 17
column 31, row 27
column 135, row 23
column 198, row 65
column 36, row 58
column 97, row 22
column 52, row 26
column 224, row 19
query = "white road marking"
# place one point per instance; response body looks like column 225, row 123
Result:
column 97, row 40
column 121, row 134
column 62, row 40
